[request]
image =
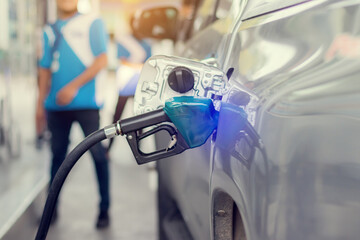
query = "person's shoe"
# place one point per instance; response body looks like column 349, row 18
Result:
column 103, row 220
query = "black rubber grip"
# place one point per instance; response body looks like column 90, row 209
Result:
column 142, row 121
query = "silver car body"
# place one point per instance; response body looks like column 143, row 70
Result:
column 298, row 64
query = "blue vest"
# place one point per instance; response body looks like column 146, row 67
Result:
column 69, row 47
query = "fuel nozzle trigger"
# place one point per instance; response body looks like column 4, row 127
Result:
column 132, row 127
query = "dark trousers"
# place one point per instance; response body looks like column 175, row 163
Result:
column 59, row 123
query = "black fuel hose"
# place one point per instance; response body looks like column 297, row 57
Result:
column 60, row 177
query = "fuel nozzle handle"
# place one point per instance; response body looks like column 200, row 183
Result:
column 159, row 121
column 142, row 121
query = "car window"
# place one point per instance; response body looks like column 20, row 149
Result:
column 223, row 8
column 204, row 15
column 258, row 7
column 210, row 11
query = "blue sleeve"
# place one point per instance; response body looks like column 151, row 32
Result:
column 98, row 37
column 45, row 58
column 122, row 52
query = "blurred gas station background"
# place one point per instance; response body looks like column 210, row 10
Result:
column 24, row 162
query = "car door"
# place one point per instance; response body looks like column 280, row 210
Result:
column 192, row 194
column 297, row 83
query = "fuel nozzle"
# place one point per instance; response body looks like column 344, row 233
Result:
column 189, row 121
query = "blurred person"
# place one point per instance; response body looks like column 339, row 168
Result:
column 72, row 61
column 186, row 12
column 112, row 53
column 132, row 52
column 185, row 23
